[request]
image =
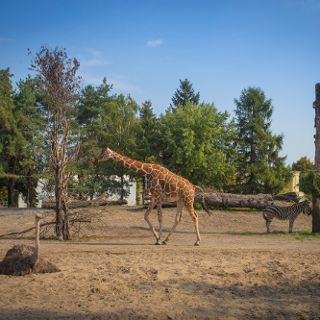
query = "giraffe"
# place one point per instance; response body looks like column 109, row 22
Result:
column 163, row 185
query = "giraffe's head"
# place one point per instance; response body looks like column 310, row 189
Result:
column 105, row 154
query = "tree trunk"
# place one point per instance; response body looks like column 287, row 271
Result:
column 11, row 200
column 222, row 200
column 316, row 199
column 59, row 219
column 315, row 214
column 122, row 187
column 65, row 227
column 59, row 205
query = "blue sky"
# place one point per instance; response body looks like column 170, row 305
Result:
column 144, row 47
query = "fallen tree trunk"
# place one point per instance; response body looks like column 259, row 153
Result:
column 229, row 200
column 223, row 200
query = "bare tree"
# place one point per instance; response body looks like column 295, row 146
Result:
column 57, row 75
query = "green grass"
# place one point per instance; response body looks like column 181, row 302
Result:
column 296, row 235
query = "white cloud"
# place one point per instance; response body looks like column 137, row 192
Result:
column 155, row 43
column 95, row 59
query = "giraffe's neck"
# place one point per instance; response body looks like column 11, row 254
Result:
column 139, row 167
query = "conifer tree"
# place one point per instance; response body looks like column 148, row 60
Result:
column 30, row 122
column 260, row 168
column 185, row 94
column 9, row 136
column 92, row 114
column 148, row 134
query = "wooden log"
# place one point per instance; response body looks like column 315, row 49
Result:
column 229, row 200
column 223, row 200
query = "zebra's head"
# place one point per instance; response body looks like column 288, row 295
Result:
column 306, row 207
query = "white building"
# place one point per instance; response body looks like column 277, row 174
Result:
column 43, row 195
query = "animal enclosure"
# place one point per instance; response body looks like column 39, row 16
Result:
column 113, row 271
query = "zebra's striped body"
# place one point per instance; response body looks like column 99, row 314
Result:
column 285, row 213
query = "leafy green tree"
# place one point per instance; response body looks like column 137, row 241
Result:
column 260, row 168
column 184, row 94
column 120, row 135
column 303, row 164
column 196, row 144
column 104, row 119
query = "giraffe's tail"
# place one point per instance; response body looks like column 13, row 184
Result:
column 203, row 201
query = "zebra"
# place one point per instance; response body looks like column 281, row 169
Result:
column 285, row 213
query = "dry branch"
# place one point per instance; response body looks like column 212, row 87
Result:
column 77, row 221
column 84, row 203
column 20, row 233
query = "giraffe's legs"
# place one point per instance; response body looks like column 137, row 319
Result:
column 195, row 220
column 160, row 222
column 146, row 217
column 176, row 221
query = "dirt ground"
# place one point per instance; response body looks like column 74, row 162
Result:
column 113, row 270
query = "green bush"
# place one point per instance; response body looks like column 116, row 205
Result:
column 310, row 183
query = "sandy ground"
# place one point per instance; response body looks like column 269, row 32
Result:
column 115, row 271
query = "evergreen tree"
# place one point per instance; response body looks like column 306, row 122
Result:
column 92, row 114
column 148, row 134
column 30, row 122
column 93, row 103
column 185, row 94
column 260, row 167
column 9, row 136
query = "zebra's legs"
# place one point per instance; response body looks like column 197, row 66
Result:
column 291, row 221
column 268, row 223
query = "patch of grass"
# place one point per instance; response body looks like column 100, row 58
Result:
column 305, row 235
column 297, row 235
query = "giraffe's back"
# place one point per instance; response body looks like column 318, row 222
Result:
column 171, row 186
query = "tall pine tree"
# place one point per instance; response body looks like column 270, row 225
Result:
column 92, row 114
column 8, row 136
column 148, row 134
column 260, row 167
column 30, row 123
column 185, row 94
